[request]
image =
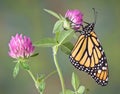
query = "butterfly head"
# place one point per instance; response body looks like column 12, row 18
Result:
column 89, row 27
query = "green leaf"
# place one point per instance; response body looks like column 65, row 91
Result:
column 46, row 42
column 58, row 26
column 42, row 86
column 40, row 77
column 16, row 70
column 40, row 83
column 68, row 91
column 66, row 24
column 52, row 13
column 65, row 36
column 25, row 65
column 62, row 18
column 57, row 36
column 75, row 81
column 67, row 48
column 34, row 55
column 81, row 90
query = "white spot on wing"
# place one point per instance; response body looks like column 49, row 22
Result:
column 104, row 68
column 99, row 71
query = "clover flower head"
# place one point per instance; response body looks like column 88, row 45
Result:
column 20, row 47
column 75, row 17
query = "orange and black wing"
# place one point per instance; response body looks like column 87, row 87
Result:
column 88, row 55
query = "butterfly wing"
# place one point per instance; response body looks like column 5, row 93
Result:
column 88, row 55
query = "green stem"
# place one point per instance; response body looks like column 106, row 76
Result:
column 55, row 48
column 30, row 73
column 50, row 75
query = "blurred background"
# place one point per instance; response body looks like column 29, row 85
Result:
column 29, row 18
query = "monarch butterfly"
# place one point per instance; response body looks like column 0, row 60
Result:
column 89, row 56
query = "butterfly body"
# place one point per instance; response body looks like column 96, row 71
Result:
column 88, row 55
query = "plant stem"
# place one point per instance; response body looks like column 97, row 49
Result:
column 50, row 75
column 58, row 69
column 30, row 73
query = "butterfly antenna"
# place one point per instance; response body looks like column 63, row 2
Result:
column 95, row 15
